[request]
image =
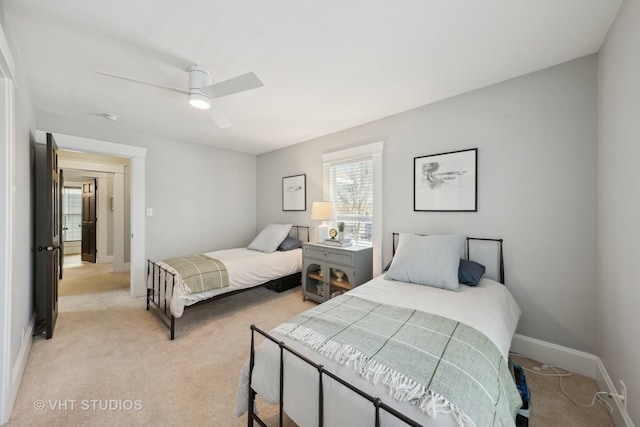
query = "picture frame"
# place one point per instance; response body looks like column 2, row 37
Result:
column 294, row 193
column 446, row 182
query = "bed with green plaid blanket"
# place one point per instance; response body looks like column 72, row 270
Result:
column 437, row 363
column 197, row 272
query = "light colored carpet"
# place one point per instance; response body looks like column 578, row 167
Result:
column 551, row 408
column 88, row 278
column 110, row 362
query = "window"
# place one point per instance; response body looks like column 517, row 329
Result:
column 72, row 213
column 353, row 181
column 351, row 190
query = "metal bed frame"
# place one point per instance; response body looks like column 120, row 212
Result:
column 467, row 250
column 163, row 280
column 376, row 402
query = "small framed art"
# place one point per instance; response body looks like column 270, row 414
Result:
column 294, row 193
column 446, row 182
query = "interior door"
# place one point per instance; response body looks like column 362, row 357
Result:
column 89, row 220
column 62, row 225
column 47, row 221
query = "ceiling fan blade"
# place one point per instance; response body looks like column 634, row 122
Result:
column 237, row 84
column 218, row 117
column 184, row 92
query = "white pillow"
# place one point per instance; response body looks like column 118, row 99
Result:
column 270, row 238
column 428, row 260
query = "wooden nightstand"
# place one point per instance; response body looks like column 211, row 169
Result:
column 328, row 271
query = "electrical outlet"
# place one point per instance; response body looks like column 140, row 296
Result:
column 623, row 392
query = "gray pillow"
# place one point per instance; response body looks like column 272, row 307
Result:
column 428, row 260
column 470, row 272
column 270, row 238
column 290, row 243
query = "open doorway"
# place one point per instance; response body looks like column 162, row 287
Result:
column 72, row 219
column 79, row 219
column 96, row 222
column 136, row 156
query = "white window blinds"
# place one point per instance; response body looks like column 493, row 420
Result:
column 72, row 213
column 351, row 189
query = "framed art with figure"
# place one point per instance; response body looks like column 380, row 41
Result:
column 446, row 182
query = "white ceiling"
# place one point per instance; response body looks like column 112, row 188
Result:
column 326, row 65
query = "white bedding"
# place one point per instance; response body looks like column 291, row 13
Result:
column 489, row 307
column 246, row 269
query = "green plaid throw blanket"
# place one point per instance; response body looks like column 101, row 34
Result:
column 428, row 360
column 197, row 272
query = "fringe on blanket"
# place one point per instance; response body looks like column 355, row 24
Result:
column 401, row 387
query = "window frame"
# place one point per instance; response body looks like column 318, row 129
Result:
column 373, row 150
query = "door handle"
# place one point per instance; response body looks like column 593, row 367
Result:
column 47, row 248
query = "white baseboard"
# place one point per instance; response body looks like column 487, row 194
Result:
column 20, row 365
column 576, row 361
column 106, row 259
column 619, row 415
column 124, row 267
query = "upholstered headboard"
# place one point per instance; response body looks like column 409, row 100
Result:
column 487, row 252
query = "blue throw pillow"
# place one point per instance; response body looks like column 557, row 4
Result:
column 290, row 243
column 470, row 272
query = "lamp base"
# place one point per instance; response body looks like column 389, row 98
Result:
column 323, row 232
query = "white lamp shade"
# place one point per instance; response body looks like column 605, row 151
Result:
column 323, row 211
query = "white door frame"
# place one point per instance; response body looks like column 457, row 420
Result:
column 100, row 171
column 136, row 155
column 7, row 138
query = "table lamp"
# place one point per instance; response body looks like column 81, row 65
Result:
column 323, row 211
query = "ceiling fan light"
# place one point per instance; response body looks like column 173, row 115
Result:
column 199, row 100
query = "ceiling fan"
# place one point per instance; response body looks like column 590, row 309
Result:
column 201, row 91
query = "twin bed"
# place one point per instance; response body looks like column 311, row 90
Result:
column 420, row 349
column 273, row 259
column 424, row 344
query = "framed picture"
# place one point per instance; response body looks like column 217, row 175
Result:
column 446, row 182
column 294, row 193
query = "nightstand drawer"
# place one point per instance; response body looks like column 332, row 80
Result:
column 342, row 257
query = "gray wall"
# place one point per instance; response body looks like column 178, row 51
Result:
column 618, row 202
column 21, row 304
column 21, row 294
column 536, row 140
column 203, row 198
column 211, row 203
